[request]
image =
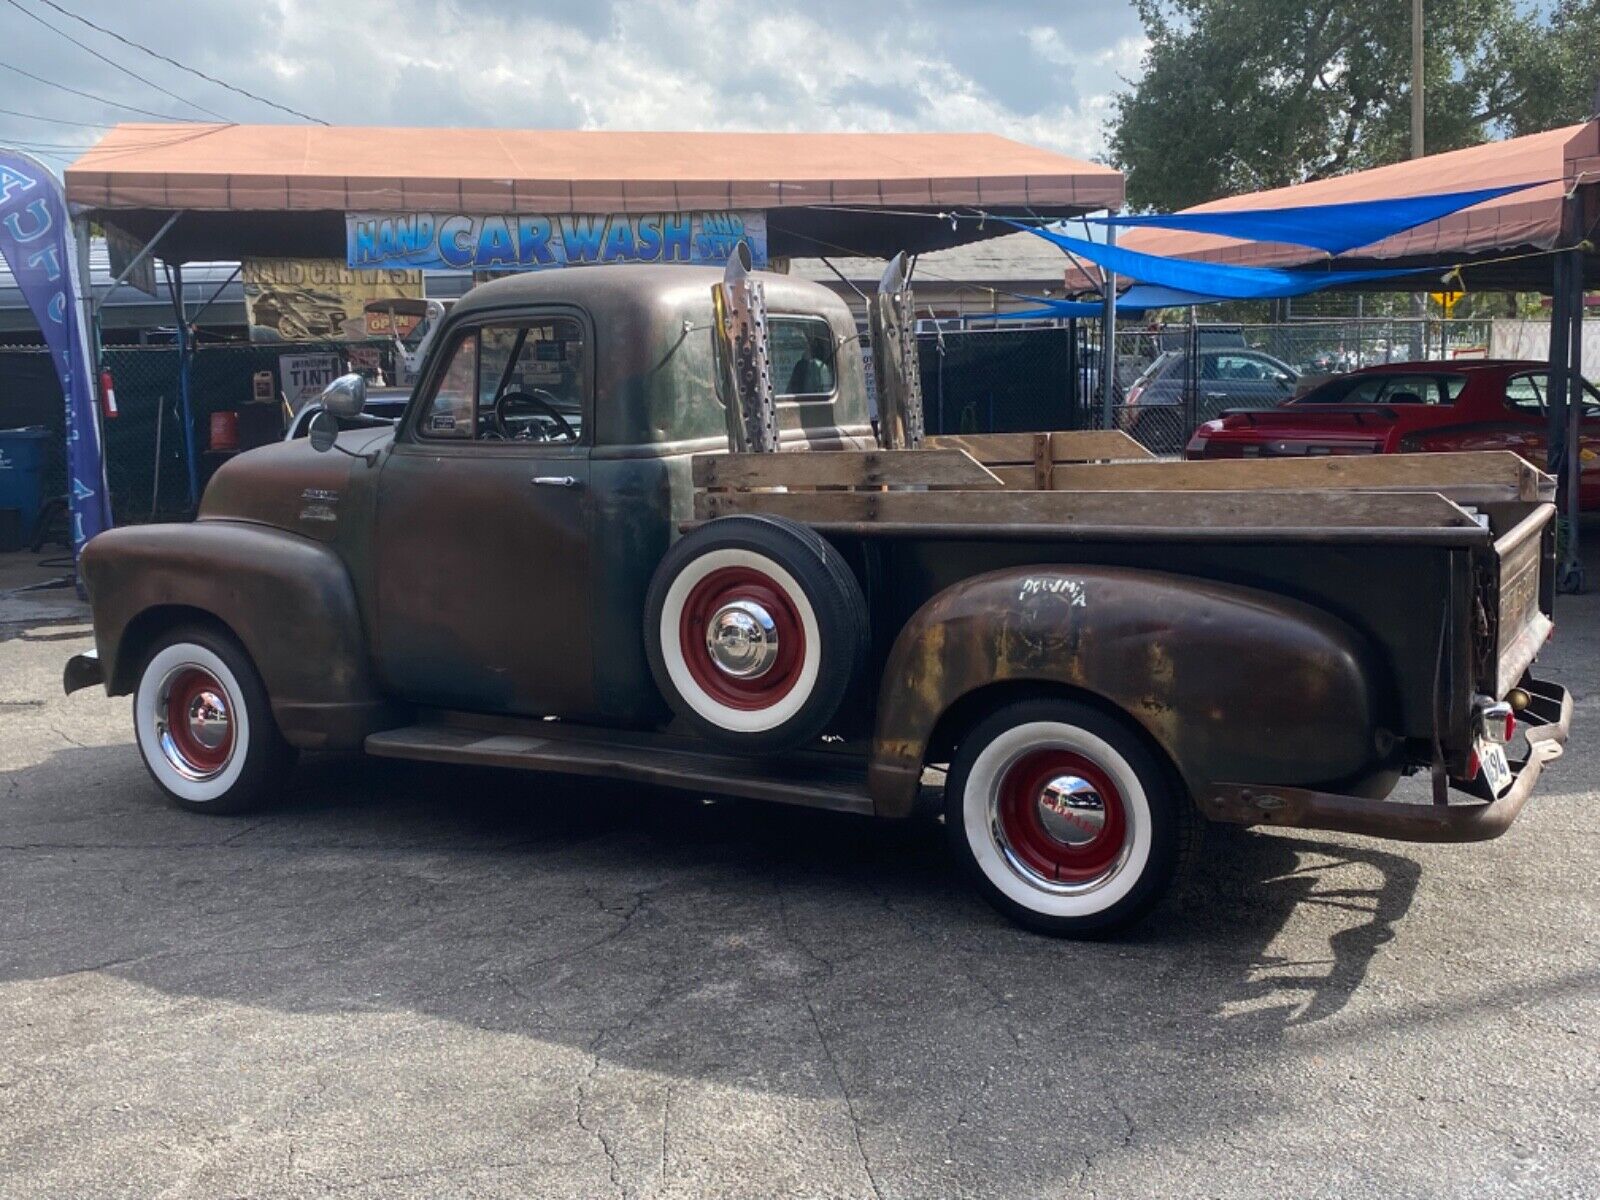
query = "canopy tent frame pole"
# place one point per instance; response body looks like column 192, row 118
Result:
column 1556, row 383
column 191, row 461
column 1571, row 571
column 1108, row 342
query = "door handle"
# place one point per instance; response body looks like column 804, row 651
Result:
column 566, row 481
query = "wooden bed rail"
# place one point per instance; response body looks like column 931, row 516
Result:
column 1029, row 460
column 848, row 469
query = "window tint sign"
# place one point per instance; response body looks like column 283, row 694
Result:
column 531, row 241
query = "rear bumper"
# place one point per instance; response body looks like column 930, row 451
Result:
column 1547, row 719
column 82, row 670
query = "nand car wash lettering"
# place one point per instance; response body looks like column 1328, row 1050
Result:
column 529, row 241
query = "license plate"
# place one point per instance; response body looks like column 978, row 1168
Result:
column 1492, row 762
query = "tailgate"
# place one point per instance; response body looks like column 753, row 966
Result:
column 1515, row 602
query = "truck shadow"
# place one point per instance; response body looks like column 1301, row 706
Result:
column 748, row 946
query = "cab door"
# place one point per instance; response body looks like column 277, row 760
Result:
column 483, row 519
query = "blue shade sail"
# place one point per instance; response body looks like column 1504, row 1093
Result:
column 1331, row 227
column 1215, row 281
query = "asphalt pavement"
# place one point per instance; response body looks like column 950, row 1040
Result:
column 409, row 981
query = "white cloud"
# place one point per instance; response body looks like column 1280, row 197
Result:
column 1028, row 71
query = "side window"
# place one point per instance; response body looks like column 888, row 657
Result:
column 1241, row 367
column 802, row 357
column 450, row 413
column 1525, row 394
column 523, row 382
column 1416, row 389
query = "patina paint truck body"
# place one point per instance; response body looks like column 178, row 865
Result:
column 1178, row 641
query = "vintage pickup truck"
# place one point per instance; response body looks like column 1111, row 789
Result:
column 554, row 562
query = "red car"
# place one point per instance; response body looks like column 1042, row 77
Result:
column 1477, row 404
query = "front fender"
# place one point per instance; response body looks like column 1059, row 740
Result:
column 1233, row 683
column 288, row 599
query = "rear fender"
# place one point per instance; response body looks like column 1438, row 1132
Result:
column 1231, row 683
column 288, row 599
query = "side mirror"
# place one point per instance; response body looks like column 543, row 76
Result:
column 346, row 396
column 324, row 431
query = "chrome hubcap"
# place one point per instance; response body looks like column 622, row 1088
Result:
column 1071, row 810
column 742, row 639
column 194, row 723
column 209, row 722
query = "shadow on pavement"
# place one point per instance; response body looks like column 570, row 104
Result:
column 777, row 958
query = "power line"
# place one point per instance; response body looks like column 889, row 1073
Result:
column 181, row 66
column 88, row 95
column 111, row 62
column 32, row 145
column 11, row 112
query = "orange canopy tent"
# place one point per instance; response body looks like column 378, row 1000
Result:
column 283, row 189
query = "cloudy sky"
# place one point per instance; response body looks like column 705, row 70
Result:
column 1039, row 72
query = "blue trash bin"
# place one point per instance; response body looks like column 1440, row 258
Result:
column 22, row 474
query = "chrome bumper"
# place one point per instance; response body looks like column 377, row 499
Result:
column 1548, row 716
column 82, row 670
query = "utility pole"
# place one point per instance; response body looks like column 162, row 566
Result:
column 1417, row 150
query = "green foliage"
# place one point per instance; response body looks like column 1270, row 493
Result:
column 1239, row 95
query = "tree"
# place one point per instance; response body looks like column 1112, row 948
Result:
column 1239, row 95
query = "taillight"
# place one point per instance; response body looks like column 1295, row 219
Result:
column 1134, row 393
column 1198, row 439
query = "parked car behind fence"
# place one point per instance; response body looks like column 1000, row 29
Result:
column 1171, row 397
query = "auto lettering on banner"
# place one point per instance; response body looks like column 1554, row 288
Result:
column 533, row 241
column 37, row 244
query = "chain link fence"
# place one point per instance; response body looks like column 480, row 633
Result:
column 146, row 460
column 1171, row 380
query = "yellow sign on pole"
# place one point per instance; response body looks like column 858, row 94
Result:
column 1446, row 300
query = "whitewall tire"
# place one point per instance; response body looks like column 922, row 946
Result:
column 203, row 724
column 1067, row 821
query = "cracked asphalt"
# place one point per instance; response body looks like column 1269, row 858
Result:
column 441, row 982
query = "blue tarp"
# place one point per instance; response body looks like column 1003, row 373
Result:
column 1207, row 282
column 1331, row 227
column 1142, row 297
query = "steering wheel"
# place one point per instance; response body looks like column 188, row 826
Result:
column 537, row 398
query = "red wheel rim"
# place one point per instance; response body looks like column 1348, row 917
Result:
column 717, row 590
column 1022, row 823
column 199, row 720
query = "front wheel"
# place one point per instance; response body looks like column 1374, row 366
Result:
column 1066, row 821
column 204, row 726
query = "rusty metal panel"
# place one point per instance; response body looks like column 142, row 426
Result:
column 1232, row 682
column 288, row 599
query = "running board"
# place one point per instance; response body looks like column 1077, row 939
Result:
column 810, row 778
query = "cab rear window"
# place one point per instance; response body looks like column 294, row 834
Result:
column 803, row 366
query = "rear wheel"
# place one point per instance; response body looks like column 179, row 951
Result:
column 204, row 726
column 1068, row 824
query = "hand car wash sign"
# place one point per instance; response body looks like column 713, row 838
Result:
column 530, row 241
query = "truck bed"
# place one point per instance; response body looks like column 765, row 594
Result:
column 1435, row 558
